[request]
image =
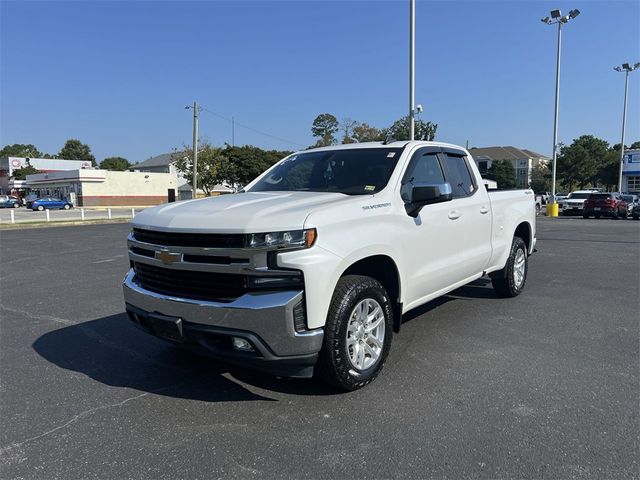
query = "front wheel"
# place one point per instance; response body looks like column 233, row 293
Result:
column 16, row 205
column 67, row 206
column 40, row 208
column 509, row 282
column 357, row 334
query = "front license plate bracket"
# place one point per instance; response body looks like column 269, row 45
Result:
column 163, row 326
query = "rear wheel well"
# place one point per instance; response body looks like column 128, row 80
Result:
column 385, row 271
column 524, row 232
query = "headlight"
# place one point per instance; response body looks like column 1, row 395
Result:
column 289, row 239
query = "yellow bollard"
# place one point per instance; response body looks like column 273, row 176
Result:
column 552, row 209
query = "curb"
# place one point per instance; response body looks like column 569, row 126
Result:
column 60, row 223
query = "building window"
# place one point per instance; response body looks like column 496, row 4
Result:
column 633, row 184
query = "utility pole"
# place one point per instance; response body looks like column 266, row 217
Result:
column 195, row 150
column 412, row 61
column 233, row 131
column 626, row 68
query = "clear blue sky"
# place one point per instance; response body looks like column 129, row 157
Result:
column 117, row 75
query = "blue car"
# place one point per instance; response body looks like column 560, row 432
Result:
column 50, row 203
column 7, row 201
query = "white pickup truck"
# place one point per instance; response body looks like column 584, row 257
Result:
column 309, row 269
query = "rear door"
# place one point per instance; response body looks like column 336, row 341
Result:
column 469, row 217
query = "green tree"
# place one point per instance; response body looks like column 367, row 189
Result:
column 20, row 150
column 118, row 164
column 21, row 173
column 324, row 127
column 400, row 130
column 363, row 132
column 502, row 172
column 580, row 163
column 247, row 162
column 635, row 145
column 213, row 167
column 76, row 150
column 541, row 178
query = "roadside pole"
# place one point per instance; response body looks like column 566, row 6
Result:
column 13, row 217
column 195, row 150
column 47, row 212
column 109, row 213
column 82, row 214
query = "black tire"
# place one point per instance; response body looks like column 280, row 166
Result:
column 334, row 365
column 504, row 281
column 597, row 216
column 614, row 214
column 66, row 206
column 584, row 215
column 40, row 208
column 16, row 205
column 636, row 217
column 625, row 214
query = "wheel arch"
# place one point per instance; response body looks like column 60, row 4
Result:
column 384, row 269
column 524, row 231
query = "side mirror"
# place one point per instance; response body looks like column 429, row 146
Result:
column 426, row 194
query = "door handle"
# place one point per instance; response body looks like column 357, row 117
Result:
column 484, row 210
column 454, row 215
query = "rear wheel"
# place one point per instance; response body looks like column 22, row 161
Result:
column 510, row 281
column 16, row 205
column 40, row 208
column 357, row 334
column 584, row 215
column 67, row 206
column 597, row 215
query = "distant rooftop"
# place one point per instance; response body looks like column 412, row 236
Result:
column 505, row 153
column 158, row 161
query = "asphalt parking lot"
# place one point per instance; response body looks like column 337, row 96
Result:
column 543, row 385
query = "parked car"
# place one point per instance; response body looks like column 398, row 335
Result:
column 573, row 204
column 605, row 205
column 50, row 203
column 9, row 201
column 330, row 247
column 560, row 197
column 631, row 200
column 635, row 213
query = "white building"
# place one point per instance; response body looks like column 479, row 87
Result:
column 631, row 172
column 8, row 165
column 165, row 164
column 90, row 188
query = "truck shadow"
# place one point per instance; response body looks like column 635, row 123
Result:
column 113, row 352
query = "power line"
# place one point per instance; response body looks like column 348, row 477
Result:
column 234, row 121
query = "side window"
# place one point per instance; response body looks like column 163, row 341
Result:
column 425, row 169
column 459, row 176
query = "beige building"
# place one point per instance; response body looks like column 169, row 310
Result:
column 523, row 160
column 90, row 188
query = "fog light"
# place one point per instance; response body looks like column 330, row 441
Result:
column 242, row 344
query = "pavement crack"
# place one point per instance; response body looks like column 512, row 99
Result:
column 34, row 316
column 6, row 449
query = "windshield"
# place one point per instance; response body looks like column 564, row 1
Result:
column 579, row 196
column 360, row 171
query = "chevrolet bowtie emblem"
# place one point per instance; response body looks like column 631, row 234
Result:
column 167, row 257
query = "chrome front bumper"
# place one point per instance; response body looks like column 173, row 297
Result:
column 267, row 316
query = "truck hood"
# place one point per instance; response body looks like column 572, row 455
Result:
column 250, row 212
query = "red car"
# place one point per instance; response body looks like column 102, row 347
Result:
column 605, row 205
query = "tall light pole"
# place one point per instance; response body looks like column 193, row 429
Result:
column 195, row 107
column 557, row 19
column 412, row 69
column 626, row 68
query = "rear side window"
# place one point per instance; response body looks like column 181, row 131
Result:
column 459, row 176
